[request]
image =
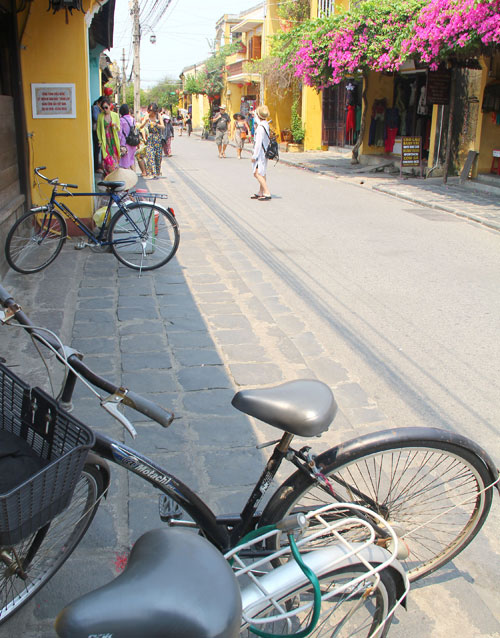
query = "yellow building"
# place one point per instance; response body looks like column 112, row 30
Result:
column 51, row 76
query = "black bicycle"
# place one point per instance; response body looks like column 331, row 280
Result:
column 432, row 486
column 141, row 234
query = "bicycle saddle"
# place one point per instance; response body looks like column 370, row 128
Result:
column 113, row 186
column 175, row 584
column 305, row 407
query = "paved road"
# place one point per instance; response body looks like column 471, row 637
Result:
column 391, row 304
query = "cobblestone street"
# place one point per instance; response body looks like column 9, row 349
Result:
column 229, row 312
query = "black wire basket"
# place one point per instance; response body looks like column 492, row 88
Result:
column 60, row 444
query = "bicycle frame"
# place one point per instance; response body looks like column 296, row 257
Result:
column 113, row 198
column 223, row 531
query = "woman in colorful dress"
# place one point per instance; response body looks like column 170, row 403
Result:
column 154, row 148
column 241, row 131
column 108, row 128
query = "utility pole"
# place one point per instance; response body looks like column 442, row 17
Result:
column 124, row 78
column 137, row 57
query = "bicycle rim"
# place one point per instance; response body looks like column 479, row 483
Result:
column 42, row 555
column 145, row 238
column 432, row 493
column 34, row 241
column 357, row 611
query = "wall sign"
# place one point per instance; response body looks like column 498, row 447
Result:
column 438, row 87
column 53, row 101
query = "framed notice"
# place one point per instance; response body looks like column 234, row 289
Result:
column 53, row 101
column 438, row 87
column 411, row 152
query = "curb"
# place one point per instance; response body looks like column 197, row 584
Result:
column 447, row 209
column 387, row 191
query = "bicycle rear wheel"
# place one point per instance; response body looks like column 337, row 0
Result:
column 26, row 567
column 144, row 236
column 35, row 240
column 357, row 611
column 429, row 488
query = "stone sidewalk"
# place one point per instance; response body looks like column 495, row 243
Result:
column 186, row 336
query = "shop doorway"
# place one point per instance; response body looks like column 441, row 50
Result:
column 341, row 114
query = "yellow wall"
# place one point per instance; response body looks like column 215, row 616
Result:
column 488, row 131
column 379, row 86
column 312, row 117
column 54, row 52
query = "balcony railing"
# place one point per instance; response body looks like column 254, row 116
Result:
column 236, row 68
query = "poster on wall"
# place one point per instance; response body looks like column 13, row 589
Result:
column 53, row 101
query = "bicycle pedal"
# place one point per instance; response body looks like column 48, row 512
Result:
column 80, row 245
column 168, row 508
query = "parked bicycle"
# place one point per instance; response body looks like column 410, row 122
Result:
column 141, row 235
column 421, row 492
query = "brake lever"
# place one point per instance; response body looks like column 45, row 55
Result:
column 110, row 404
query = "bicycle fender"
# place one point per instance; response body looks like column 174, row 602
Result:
column 349, row 450
column 387, row 438
column 289, row 577
column 103, row 467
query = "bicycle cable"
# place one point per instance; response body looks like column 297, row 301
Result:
column 307, row 571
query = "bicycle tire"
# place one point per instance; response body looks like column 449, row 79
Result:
column 154, row 245
column 380, row 600
column 409, row 478
column 45, row 551
column 35, row 240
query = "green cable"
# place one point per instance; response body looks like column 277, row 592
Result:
column 310, row 575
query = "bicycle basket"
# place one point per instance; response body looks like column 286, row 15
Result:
column 60, row 442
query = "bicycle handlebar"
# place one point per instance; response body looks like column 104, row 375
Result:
column 133, row 400
column 55, row 181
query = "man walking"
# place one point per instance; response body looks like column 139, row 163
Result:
column 221, row 121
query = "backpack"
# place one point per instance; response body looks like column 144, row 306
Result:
column 133, row 138
column 272, row 151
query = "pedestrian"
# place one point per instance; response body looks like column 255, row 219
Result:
column 154, row 126
column 221, row 121
column 241, row 131
column 189, row 124
column 127, row 124
column 96, row 109
column 251, row 121
column 108, row 128
column 168, row 135
column 259, row 159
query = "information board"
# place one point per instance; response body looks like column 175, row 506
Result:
column 411, row 151
column 438, row 87
column 53, row 101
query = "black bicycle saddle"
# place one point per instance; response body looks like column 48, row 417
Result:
column 113, row 186
column 305, row 407
column 176, row 584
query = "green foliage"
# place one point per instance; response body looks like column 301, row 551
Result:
column 161, row 92
column 206, row 122
column 194, row 84
column 296, row 126
column 294, row 11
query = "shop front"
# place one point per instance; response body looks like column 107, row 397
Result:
column 341, row 107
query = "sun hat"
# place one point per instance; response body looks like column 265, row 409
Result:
column 222, row 106
column 262, row 112
column 123, row 175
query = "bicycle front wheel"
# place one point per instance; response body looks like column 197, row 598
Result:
column 432, row 492
column 35, row 240
column 143, row 236
column 26, row 567
column 350, row 610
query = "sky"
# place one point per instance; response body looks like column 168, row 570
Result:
column 183, row 35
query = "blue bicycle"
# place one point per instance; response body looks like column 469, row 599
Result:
column 141, row 234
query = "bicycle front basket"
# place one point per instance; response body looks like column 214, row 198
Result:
column 60, row 443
